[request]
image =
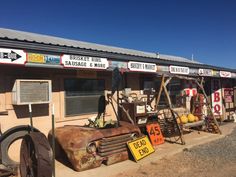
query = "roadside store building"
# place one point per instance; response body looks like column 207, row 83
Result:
column 79, row 72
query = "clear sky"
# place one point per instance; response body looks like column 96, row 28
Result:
column 204, row 28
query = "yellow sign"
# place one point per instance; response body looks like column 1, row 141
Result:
column 140, row 148
column 35, row 58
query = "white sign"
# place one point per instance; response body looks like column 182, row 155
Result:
column 205, row 72
column 225, row 74
column 12, row 56
column 77, row 61
column 179, row 70
column 216, row 97
column 139, row 66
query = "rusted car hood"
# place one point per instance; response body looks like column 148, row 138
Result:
column 72, row 136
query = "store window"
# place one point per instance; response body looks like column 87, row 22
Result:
column 81, row 95
column 174, row 90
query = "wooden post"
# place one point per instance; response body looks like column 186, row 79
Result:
column 208, row 105
column 160, row 90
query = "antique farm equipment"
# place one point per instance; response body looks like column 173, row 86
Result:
column 36, row 154
column 8, row 165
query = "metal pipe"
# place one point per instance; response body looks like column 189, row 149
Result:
column 53, row 142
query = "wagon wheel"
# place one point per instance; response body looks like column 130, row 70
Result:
column 172, row 128
column 35, row 156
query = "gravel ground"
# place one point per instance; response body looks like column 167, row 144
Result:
column 215, row 159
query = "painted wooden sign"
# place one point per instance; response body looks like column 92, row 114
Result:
column 43, row 58
column 205, row 72
column 77, row 61
column 179, row 70
column 144, row 67
column 216, row 97
column 225, row 74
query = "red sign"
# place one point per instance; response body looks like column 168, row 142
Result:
column 228, row 95
column 216, row 97
column 155, row 134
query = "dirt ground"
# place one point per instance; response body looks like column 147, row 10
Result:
column 215, row 159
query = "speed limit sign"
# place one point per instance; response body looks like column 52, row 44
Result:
column 155, row 134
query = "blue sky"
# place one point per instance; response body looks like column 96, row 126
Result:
column 204, row 28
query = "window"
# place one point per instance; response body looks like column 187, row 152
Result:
column 174, row 90
column 81, row 95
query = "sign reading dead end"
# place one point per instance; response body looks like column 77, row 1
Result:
column 140, row 148
column 77, row 61
column 12, row 56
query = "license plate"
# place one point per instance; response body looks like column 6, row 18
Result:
column 140, row 148
column 142, row 120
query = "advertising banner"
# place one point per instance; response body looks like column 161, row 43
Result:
column 43, row 58
column 179, row 70
column 78, row 61
column 143, row 67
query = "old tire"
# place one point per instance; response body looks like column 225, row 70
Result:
column 35, row 156
column 8, row 138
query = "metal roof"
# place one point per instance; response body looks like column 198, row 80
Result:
column 58, row 41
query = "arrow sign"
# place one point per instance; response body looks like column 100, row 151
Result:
column 12, row 56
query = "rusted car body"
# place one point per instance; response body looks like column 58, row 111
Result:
column 87, row 147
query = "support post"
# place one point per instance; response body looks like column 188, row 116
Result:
column 53, row 142
column 31, row 118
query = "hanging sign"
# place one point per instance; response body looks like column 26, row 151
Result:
column 228, row 95
column 77, row 61
column 12, row 56
column 205, row 72
column 155, row 134
column 225, row 74
column 140, row 148
column 216, row 97
column 42, row 58
column 179, row 70
column 190, row 88
column 144, row 67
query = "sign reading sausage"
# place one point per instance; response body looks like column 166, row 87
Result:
column 140, row 148
column 78, row 61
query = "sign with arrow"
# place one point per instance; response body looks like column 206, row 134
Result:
column 12, row 56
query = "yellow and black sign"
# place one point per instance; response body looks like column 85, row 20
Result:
column 140, row 148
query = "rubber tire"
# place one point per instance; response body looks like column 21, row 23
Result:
column 43, row 155
column 9, row 137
